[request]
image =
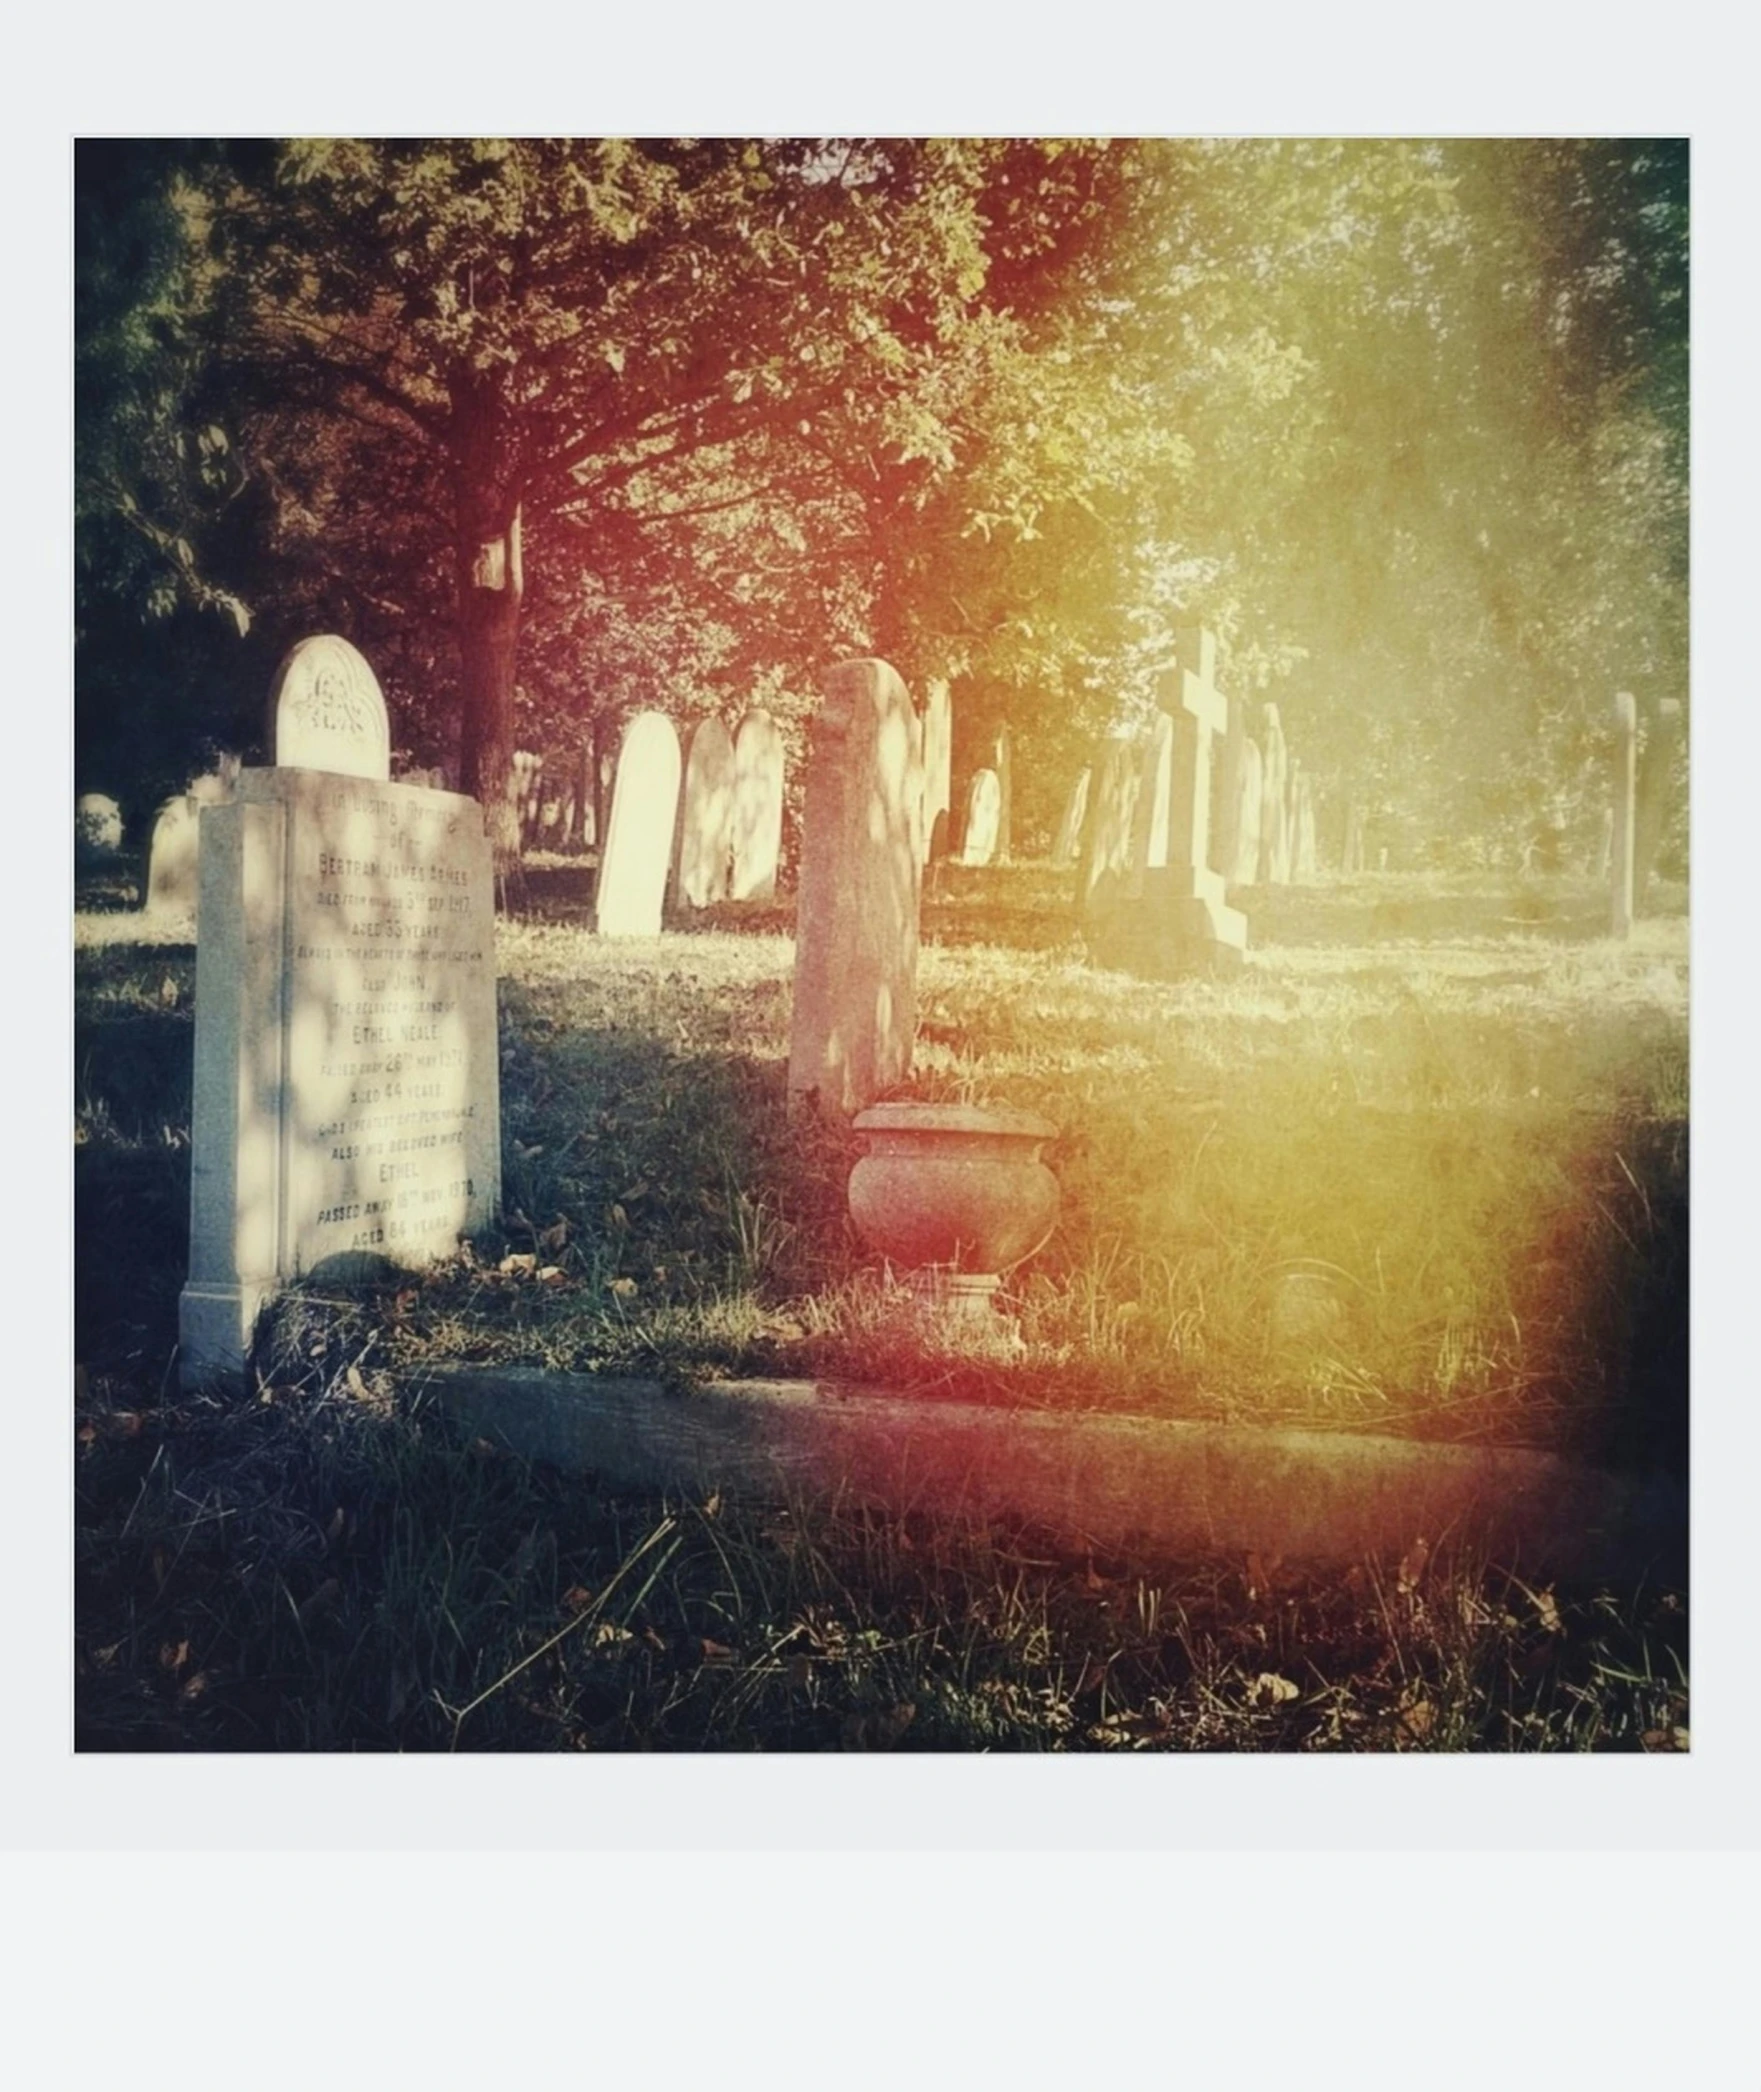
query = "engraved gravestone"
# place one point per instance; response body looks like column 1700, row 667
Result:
column 758, row 807
column 639, row 830
column 328, row 711
column 856, row 925
column 346, row 1106
column 706, row 833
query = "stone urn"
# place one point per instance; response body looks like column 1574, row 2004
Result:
column 955, row 1195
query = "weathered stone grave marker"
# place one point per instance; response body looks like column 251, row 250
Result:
column 1652, row 792
column 1106, row 836
column 97, row 826
column 347, row 1100
column 856, row 922
column 984, row 806
column 1626, row 738
column 1177, row 916
column 758, row 807
column 1003, row 763
column 1250, row 794
column 1150, row 812
column 1304, row 866
column 1068, row 842
column 328, row 712
column 706, row 831
column 1226, row 797
column 938, row 756
column 172, row 859
column 639, row 830
column 1274, row 811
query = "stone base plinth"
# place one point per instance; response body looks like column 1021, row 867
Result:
column 1180, row 925
column 216, row 1325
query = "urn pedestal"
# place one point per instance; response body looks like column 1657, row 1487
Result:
column 954, row 1195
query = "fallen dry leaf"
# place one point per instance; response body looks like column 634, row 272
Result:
column 1270, row 1690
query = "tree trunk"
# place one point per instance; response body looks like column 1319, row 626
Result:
column 491, row 583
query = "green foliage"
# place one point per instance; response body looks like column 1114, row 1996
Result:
column 1404, row 420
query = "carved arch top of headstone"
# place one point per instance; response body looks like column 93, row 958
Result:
column 329, row 711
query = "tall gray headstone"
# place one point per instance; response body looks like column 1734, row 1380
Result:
column 1652, row 793
column 984, row 806
column 1626, row 744
column 1003, row 762
column 1250, row 792
column 639, row 830
column 1106, row 837
column 1149, row 816
column 1067, row 843
column 329, row 712
column 856, row 925
column 1274, row 825
column 1304, row 863
column 706, row 831
column 758, row 807
column 1226, row 826
column 1190, row 895
column 346, row 1106
column 938, row 755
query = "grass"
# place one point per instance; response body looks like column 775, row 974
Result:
column 1421, row 1167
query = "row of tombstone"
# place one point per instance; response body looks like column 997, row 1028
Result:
column 1262, row 804
column 346, row 1107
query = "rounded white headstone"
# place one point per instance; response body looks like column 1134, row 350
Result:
column 330, row 712
column 639, row 830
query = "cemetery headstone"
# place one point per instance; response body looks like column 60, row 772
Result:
column 346, row 1112
column 856, row 925
column 1068, row 841
column 216, row 786
column 1182, row 919
column 639, row 830
column 1626, row 736
column 1274, row 828
column 1226, row 825
column 1297, row 795
column 97, row 826
column 1304, row 856
column 706, row 835
column 938, row 755
column 1250, row 792
column 984, row 803
column 524, row 784
column 1106, row 837
column 758, row 807
column 172, row 859
column 1150, row 813
column 1351, row 859
column 329, row 712
column 1003, row 762
column 1652, row 793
